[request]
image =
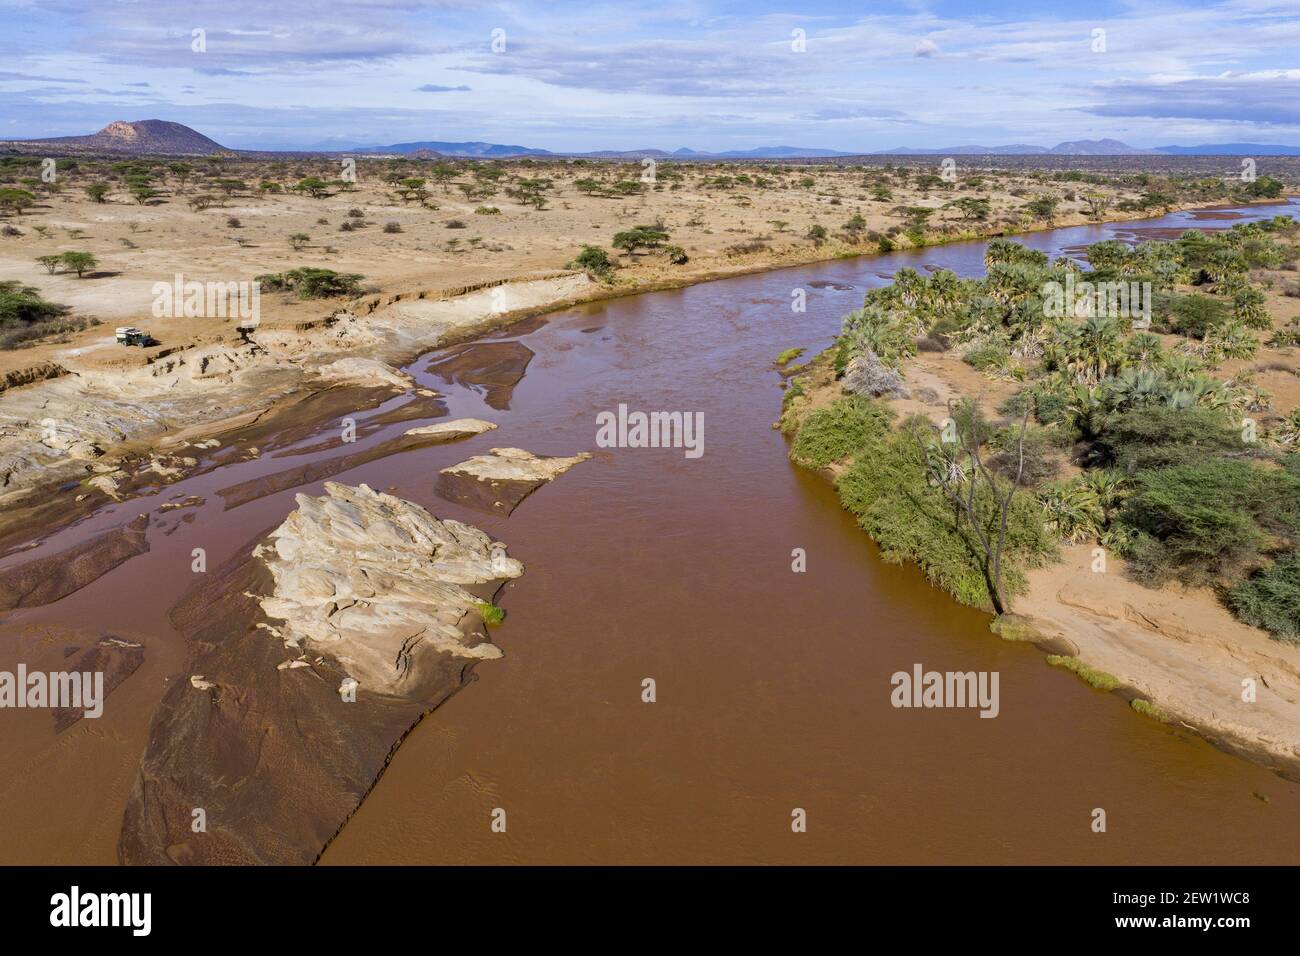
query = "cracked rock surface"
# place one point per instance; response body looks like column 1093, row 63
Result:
column 372, row 581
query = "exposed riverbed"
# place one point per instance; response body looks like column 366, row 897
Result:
column 772, row 687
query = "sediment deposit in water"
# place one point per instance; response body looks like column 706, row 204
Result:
column 500, row 480
column 310, row 659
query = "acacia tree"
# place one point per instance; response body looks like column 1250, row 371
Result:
column 972, row 208
column 981, row 499
column 640, row 237
column 412, row 188
column 313, row 186
column 16, row 199
column 1043, row 207
column 181, row 171
column 79, row 262
column 442, row 174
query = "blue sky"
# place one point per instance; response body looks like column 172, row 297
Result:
column 709, row 74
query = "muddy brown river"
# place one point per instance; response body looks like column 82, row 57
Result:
column 772, row 687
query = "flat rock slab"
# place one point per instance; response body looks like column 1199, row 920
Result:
column 458, row 428
column 492, row 369
column 115, row 658
column 46, row 580
column 497, row 482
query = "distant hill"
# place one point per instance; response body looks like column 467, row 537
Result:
column 1018, row 149
column 1081, row 147
column 480, row 150
column 1231, row 149
column 1097, row 147
column 141, row 138
column 779, row 152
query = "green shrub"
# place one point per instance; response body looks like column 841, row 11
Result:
column 22, row 305
column 1264, row 187
column 1207, row 522
column 594, row 260
column 1271, row 599
column 987, row 356
column 25, row 316
column 1050, row 406
column 491, row 613
column 1195, row 315
column 1156, row 436
column 833, row 433
column 312, row 283
column 1148, row 709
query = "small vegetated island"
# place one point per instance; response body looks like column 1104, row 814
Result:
column 1008, row 446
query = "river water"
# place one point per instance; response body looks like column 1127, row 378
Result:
column 772, row 687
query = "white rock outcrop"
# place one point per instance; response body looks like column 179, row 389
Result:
column 514, row 464
column 378, row 583
column 363, row 371
column 458, row 428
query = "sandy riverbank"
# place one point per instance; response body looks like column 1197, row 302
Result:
column 1178, row 648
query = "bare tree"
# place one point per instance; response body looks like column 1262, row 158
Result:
column 958, row 466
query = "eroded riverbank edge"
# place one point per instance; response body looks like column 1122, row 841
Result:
column 1176, row 648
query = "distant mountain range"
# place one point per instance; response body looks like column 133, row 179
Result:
column 1081, row 147
column 497, row 150
column 436, row 147
column 1231, row 149
column 163, row 138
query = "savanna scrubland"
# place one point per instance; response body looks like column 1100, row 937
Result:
column 395, row 250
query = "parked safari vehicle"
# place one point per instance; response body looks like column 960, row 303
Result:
column 130, row 335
